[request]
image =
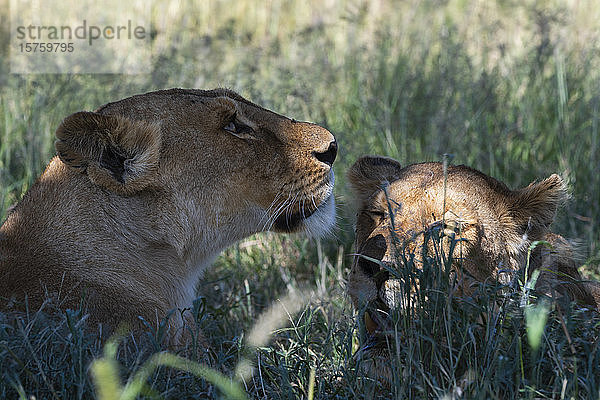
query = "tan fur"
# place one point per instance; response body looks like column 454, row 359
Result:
column 146, row 191
column 498, row 225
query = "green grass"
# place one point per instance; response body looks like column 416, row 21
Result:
column 504, row 341
column 509, row 87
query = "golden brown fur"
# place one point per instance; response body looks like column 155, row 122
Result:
column 146, row 191
column 497, row 224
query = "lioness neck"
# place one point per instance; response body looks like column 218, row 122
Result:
column 151, row 242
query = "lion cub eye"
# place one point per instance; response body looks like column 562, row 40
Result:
column 455, row 224
column 376, row 215
column 239, row 129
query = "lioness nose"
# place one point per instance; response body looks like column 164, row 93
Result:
column 328, row 156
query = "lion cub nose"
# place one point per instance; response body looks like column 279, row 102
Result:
column 328, row 156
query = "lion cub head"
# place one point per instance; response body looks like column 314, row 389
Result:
column 484, row 226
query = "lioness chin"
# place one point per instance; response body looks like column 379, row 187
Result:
column 482, row 226
column 146, row 191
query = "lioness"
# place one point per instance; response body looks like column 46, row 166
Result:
column 146, row 191
column 494, row 227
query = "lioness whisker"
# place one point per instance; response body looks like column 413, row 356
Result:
column 271, row 220
column 312, row 198
column 280, row 210
column 301, row 205
column 267, row 217
column 288, row 211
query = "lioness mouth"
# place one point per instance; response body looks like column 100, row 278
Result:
column 292, row 222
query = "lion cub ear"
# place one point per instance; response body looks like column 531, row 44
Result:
column 117, row 153
column 370, row 173
column 533, row 208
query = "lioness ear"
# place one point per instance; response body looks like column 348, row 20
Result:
column 370, row 173
column 533, row 208
column 117, row 153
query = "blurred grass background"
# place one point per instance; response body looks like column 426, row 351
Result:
column 510, row 87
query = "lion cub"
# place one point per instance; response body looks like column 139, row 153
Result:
column 495, row 226
column 145, row 192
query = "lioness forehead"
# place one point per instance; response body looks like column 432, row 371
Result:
column 158, row 100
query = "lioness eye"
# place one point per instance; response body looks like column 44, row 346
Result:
column 230, row 127
column 239, row 129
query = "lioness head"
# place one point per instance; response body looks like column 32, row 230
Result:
column 267, row 170
column 484, row 226
column 145, row 192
